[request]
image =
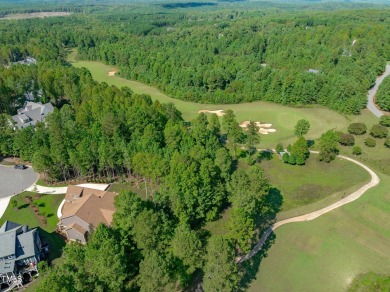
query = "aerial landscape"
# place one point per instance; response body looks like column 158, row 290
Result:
column 224, row 145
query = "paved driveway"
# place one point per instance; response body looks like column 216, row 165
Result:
column 14, row 181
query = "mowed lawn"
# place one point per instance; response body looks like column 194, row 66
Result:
column 281, row 117
column 325, row 254
column 314, row 181
column 320, row 255
column 47, row 208
column 305, row 188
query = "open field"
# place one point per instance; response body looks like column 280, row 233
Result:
column 310, row 183
column 305, row 188
column 35, row 15
column 282, row 118
column 377, row 157
column 118, row 187
column 332, row 249
column 24, row 214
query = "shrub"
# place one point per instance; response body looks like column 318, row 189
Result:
column 385, row 121
column 379, row 131
column 300, row 161
column 356, row 150
column 357, row 128
column 387, row 142
column 370, row 142
column 346, row 139
column 292, row 160
column 14, row 203
column 285, row 157
column 279, row 148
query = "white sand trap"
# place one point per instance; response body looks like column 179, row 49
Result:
column 263, row 131
column 263, row 128
column 219, row 113
column 112, row 72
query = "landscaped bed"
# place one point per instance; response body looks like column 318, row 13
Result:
column 37, row 210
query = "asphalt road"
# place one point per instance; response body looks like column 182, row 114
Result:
column 372, row 92
column 313, row 215
column 14, row 181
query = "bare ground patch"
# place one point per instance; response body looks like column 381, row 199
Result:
column 112, row 72
column 219, row 113
column 35, row 15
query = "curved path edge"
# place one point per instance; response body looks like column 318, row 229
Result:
column 371, row 106
column 313, row 215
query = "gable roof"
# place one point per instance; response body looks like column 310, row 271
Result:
column 17, row 242
column 8, row 225
column 31, row 113
column 90, row 205
column 76, row 227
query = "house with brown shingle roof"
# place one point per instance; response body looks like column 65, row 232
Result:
column 83, row 210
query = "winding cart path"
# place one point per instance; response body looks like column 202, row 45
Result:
column 313, row 215
column 371, row 106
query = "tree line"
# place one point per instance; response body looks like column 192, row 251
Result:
column 289, row 58
column 189, row 171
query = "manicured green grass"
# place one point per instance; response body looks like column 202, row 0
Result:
column 118, row 187
column 42, row 182
column 378, row 157
column 370, row 282
column 304, row 188
column 283, row 118
column 220, row 226
column 325, row 254
column 320, row 255
column 24, row 214
column 310, row 183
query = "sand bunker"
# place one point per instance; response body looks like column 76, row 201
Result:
column 263, row 128
column 112, row 72
column 219, row 113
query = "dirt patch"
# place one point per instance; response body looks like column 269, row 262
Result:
column 112, row 72
column 219, row 113
column 264, row 129
column 35, row 15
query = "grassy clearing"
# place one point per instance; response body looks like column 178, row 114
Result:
column 304, row 188
column 332, row 249
column 42, row 182
column 370, row 282
column 283, row 118
column 47, row 206
column 377, row 157
column 220, row 226
column 310, row 183
column 118, row 187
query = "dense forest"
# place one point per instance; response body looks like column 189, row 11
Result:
column 225, row 56
column 383, row 95
column 189, row 171
column 292, row 60
column 189, row 168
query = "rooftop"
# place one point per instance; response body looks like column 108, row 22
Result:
column 31, row 113
column 90, row 205
column 17, row 242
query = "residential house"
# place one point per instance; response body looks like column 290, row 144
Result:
column 84, row 209
column 27, row 61
column 31, row 113
column 20, row 252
